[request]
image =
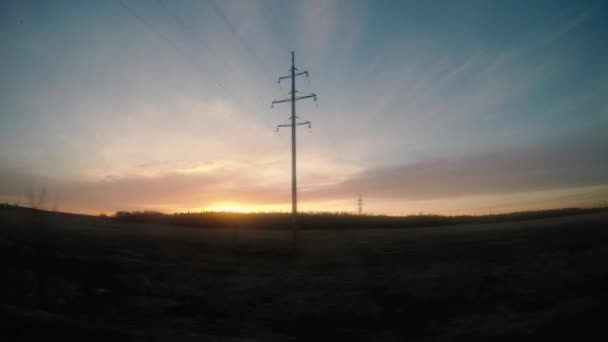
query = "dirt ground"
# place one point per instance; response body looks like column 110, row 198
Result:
column 70, row 276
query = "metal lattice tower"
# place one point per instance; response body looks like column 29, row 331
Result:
column 293, row 123
column 360, row 205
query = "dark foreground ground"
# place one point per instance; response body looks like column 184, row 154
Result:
column 97, row 279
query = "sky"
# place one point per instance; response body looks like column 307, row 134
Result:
column 447, row 107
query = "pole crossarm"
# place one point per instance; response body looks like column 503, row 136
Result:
column 297, row 124
column 301, row 123
column 295, row 75
column 295, row 98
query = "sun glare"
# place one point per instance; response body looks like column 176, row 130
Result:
column 232, row 207
column 236, row 207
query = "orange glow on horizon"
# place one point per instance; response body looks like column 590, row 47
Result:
column 236, row 207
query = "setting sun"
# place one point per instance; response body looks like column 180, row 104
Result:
column 175, row 106
column 236, row 207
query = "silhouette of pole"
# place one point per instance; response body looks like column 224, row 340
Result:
column 360, row 204
column 293, row 123
column 294, row 183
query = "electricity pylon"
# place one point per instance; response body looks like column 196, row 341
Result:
column 293, row 124
column 360, row 204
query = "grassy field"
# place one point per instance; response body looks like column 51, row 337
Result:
column 93, row 278
column 336, row 221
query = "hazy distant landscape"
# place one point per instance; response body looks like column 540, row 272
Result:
column 335, row 221
column 94, row 278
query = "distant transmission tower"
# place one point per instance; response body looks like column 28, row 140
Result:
column 360, row 205
column 293, row 122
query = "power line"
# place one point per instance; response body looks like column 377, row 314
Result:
column 293, row 124
column 218, row 11
column 165, row 38
column 184, row 53
column 178, row 20
column 194, row 33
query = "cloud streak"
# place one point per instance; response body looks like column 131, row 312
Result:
column 512, row 171
column 168, row 104
column 506, row 172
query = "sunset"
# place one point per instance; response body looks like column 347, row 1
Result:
column 348, row 150
column 159, row 105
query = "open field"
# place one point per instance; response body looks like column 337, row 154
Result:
column 92, row 278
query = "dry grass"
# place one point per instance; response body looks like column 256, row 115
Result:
column 72, row 276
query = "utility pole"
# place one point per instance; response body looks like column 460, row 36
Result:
column 360, row 204
column 293, row 122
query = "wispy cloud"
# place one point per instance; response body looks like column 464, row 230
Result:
column 99, row 99
column 499, row 172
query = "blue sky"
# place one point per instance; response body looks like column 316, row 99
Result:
column 449, row 107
